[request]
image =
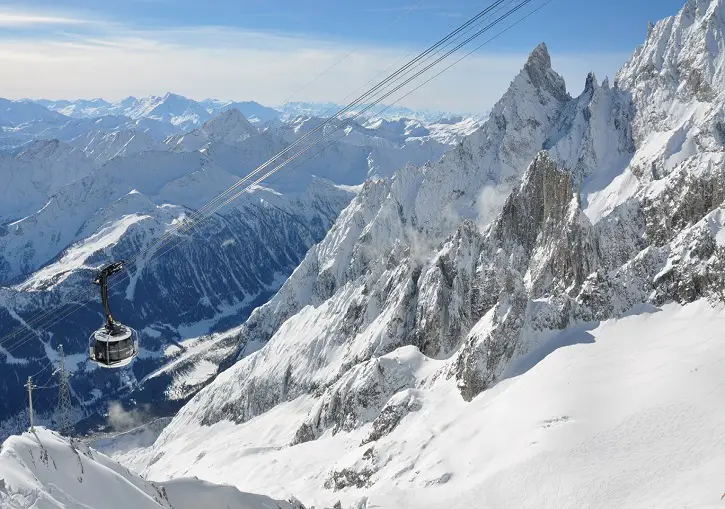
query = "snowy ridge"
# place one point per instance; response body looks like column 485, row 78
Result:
column 43, row 469
column 39, row 171
column 102, row 147
column 229, row 127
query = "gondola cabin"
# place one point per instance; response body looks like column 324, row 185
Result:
column 114, row 349
column 114, row 345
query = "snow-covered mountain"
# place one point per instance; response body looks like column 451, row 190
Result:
column 44, row 469
column 229, row 127
column 548, row 291
column 173, row 108
column 294, row 109
column 113, row 190
column 32, row 176
column 103, row 146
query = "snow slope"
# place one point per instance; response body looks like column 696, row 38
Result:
column 101, row 146
column 229, row 127
column 43, row 470
column 622, row 413
column 39, row 171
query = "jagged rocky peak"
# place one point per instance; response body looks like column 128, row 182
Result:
column 683, row 53
column 703, row 8
column 539, row 58
column 521, row 123
column 538, row 67
column 590, row 85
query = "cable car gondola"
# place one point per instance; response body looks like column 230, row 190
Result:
column 114, row 345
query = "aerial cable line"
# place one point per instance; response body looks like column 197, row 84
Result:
column 348, row 121
column 387, row 94
column 288, row 170
column 37, row 321
column 363, row 97
column 507, row 14
column 350, row 53
column 198, row 217
column 374, row 79
column 347, row 108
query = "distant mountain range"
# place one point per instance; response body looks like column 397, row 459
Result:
column 87, row 181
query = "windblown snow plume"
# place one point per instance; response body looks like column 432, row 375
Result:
column 489, row 205
column 120, row 419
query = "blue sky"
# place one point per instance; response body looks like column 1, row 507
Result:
column 255, row 49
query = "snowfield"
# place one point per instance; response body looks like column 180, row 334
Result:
column 624, row 413
column 43, row 470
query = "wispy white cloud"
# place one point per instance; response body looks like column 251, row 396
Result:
column 114, row 61
column 16, row 18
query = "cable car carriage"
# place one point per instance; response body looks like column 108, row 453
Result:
column 114, row 345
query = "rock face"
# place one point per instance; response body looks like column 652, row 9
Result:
column 613, row 199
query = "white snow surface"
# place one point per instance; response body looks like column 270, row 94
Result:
column 102, row 146
column 43, row 470
column 623, row 413
column 29, row 179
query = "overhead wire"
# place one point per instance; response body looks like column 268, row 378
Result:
column 347, row 122
column 38, row 319
column 350, row 53
column 341, row 112
column 414, row 62
column 411, row 65
column 215, row 202
column 387, row 94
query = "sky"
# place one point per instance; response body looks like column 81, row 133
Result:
column 270, row 51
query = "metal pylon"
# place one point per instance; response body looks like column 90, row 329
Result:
column 63, row 412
